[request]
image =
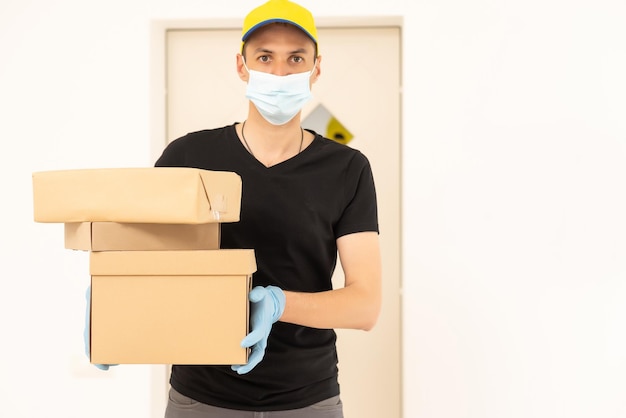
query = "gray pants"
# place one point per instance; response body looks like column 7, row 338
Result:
column 180, row 406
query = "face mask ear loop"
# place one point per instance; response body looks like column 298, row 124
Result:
column 243, row 59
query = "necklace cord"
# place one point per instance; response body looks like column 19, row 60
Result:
column 250, row 149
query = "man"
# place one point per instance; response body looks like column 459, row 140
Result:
column 305, row 199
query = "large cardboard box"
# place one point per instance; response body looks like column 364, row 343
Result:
column 168, row 195
column 113, row 236
column 170, row 307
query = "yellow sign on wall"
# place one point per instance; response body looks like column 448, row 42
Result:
column 324, row 123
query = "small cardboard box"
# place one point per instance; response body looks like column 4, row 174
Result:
column 171, row 195
column 113, row 236
column 170, row 307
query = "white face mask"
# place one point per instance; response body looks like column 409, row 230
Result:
column 278, row 98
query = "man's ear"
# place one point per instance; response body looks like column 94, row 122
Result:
column 242, row 72
column 317, row 71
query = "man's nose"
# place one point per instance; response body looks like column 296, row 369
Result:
column 280, row 68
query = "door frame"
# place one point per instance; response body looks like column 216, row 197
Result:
column 159, row 384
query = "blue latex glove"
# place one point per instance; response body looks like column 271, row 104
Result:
column 268, row 305
column 86, row 333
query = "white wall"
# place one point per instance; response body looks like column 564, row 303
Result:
column 515, row 265
column 514, row 149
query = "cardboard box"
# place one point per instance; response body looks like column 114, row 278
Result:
column 170, row 307
column 170, row 195
column 113, row 236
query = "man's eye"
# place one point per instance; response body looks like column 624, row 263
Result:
column 297, row 59
column 264, row 58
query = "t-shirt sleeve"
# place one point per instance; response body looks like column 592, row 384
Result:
column 361, row 211
column 173, row 155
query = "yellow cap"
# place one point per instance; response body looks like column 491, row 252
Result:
column 279, row 11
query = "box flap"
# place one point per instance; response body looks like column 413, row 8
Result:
column 223, row 191
column 142, row 195
column 180, row 263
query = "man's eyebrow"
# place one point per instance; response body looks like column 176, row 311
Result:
column 264, row 50
column 269, row 51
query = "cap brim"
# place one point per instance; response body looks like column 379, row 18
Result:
column 259, row 25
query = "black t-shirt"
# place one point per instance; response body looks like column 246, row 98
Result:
column 291, row 215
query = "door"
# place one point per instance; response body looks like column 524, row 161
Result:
column 360, row 86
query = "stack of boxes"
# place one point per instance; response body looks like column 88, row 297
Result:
column 162, row 290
